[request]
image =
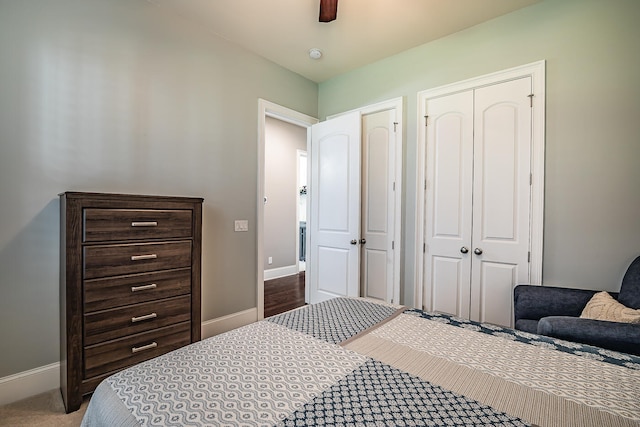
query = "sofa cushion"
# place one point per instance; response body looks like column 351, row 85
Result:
column 603, row 307
column 623, row 337
column 630, row 289
column 527, row 325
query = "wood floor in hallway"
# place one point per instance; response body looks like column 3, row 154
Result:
column 283, row 294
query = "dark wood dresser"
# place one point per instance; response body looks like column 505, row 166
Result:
column 129, row 283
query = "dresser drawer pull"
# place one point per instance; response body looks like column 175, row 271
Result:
column 144, row 224
column 143, row 257
column 145, row 317
column 144, row 347
column 143, row 288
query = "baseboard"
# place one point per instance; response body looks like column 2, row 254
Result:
column 29, row 383
column 229, row 322
column 274, row 273
column 39, row 380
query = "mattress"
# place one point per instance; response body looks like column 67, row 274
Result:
column 351, row 361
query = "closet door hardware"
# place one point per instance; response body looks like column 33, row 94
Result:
column 363, row 241
column 464, row 250
column 477, row 251
column 354, row 242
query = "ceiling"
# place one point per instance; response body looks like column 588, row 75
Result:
column 365, row 31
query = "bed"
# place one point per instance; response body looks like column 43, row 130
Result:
column 351, row 361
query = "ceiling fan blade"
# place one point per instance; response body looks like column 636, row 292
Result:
column 328, row 10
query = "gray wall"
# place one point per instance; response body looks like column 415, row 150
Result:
column 592, row 200
column 282, row 139
column 117, row 96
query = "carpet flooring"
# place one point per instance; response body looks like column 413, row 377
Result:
column 42, row 410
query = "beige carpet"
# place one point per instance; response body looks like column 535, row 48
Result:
column 45, row 409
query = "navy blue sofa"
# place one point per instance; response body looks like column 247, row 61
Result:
column 554, row 312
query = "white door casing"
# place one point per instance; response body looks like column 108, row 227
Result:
column 536, row 71
column 334, row 191
column 378, row 205
column 507, row 200
column 270, row 109
column 383, row 118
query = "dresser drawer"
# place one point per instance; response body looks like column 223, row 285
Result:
column 128, row 224
column 117, row 260
column 114, row 355
column 112, row 292
column 117, row 323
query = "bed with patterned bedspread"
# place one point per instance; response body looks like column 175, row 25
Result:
column 358, row 362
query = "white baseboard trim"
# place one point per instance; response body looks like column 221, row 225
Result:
column 29, row 383
column 226, row 323
column 274, row 273
column 44, row 378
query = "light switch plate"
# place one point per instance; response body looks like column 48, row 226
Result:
column 241, row 225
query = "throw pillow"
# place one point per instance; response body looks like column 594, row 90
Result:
column 602, row 306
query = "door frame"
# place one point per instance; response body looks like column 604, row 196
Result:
column 397, row 104
column 270, row 109
column 535, row 70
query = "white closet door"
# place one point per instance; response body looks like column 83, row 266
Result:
column 501, row 198
column 335, row 208
column 448, row 204
column 378, row 207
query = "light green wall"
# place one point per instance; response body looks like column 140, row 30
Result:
column 117, row 96
column 592, row 198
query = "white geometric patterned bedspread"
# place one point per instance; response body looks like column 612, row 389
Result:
column 578, row 378
column 256, row 375
column 289, row 370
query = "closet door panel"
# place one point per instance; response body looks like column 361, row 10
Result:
column 501, row 194
column 378, row 209
column 448, row 203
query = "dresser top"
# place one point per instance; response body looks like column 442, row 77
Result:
column 131, row 197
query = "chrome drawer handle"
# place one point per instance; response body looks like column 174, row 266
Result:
column 144, row 287
column 143, row 257
column 145, row 317
column 144, row 347
column 144, row 224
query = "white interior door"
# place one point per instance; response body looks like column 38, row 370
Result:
column 501, row 194
column 378, row 204
column 448, row 204
column 334, row 191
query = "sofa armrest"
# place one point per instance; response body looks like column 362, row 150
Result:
column 535, row 302
column 624, row 337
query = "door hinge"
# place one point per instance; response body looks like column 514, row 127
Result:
column 424, row 248
column 395, row 126
column 426, row 123
column 425, row 184
column 530, row 100
column 394, row 186
column 393, row 245
column 529, row 256
column 530, row 179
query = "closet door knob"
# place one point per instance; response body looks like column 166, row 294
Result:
column 464, row 249
column 354, row 242
column 477, row 251
column 363, row 241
